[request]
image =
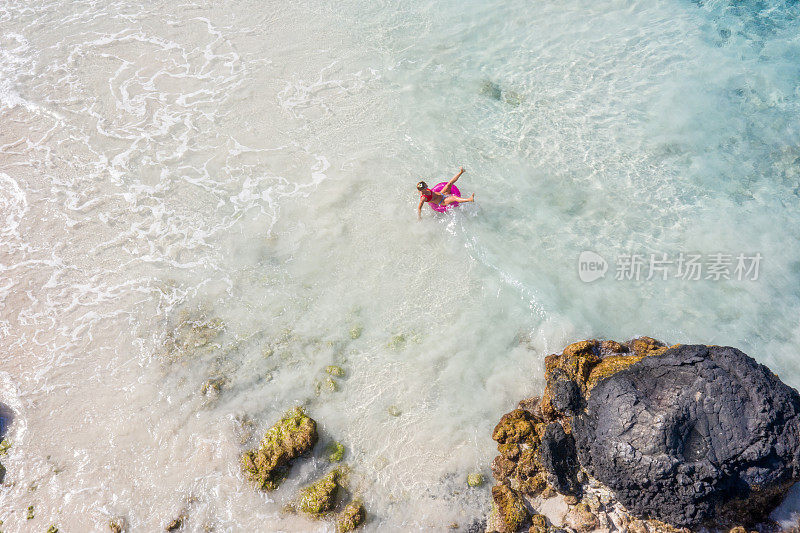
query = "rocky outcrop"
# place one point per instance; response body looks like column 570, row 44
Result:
column 518, row 435
column 294, row 435
column 697, row 436
column 682, row 436
column 508, row 510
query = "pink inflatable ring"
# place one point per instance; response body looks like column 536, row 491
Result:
column 442, row 208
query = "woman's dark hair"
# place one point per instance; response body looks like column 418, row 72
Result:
column 421, row 186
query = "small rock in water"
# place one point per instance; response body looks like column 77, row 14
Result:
column 176, row 524
column 512, row 98
column 31, row 513
column 491, row 89
column 117, row 525
column 320, row 497
column 214, row 385
column 52, row 529
column 394, row 410
column 475, row 480
column 330, row 385
column 335, row 451
column 355, row 332
column 351, row 517
column 397, row 342
column 334, row 370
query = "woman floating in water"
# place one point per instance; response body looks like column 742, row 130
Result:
column 441, row 198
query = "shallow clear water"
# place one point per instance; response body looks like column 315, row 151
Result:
column 228, row 191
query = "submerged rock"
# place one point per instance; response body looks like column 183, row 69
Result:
column 351, row 517
column 214, row 385
column 334, row 370
column 320, row 497
column 335, row 451
column 512, row 98
column 177, row 523
column 294, row 435
column 491, row 89
column 117, row 525
column 695, row 436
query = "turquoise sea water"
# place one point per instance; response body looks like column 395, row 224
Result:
column 227, row 190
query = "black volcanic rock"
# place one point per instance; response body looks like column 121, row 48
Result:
column 566, row 397
column 695, row 436
column 558, row 458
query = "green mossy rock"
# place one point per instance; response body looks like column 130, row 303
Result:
column 214, row 386
column 351, row 517
column 355, row 332
column 646, row 346
column 320, row 497
column 514, row 427
column 31, row 513
column 508, row 510
column 5, row 444
column 397, row 342
column 294, row 435
column 334, row 370
column 335, row 451
column 475, row 480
